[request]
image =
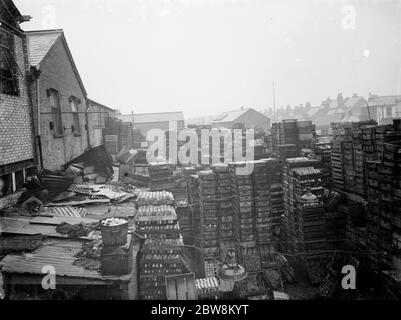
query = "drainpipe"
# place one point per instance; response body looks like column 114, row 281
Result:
column 36, row 74
column 87, row 121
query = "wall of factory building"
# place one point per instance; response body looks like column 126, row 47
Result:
column 145, row 127
column 98, row 119
column 57, row 73
column 15, row 118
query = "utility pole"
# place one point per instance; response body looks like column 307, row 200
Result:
column 274, row 102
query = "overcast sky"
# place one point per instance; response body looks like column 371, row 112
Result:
column 208, row 56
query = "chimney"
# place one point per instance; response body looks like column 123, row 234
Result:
column 355, row 95
column 340, row 100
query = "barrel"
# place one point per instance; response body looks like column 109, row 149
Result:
column 114, row 235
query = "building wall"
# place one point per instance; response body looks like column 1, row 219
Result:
column 57, row 73
column 98, row 120
column 16, row 139
column 145, row 127
column 253, row 119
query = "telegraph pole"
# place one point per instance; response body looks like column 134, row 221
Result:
column 274, row 102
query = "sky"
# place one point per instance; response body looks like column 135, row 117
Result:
column 208, row 56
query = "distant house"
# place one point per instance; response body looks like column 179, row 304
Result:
column 99, row 118
column 250, row 118
column 382, row 109
column 148, row 121
column 354, row 104
column 331, row 110
column 59, row 99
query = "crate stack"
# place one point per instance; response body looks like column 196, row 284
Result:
column 305, row 135
column 290, row 129
column 261, row 191
column 161, row 255
column 126, row 136
column 161, row 176
column 225, row 204
column 287, row 151
column 276, row 138
column 347, row 161
column 359, row 163
column 156, row 262
column 209, row 208
column 311, row 222
column 342, row 132
column 112, row 136
column 290, row 222
column 243, row 204
column 184, row 213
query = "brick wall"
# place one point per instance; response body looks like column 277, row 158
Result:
column 98, row 120
column 57, row 73
column 16, row 142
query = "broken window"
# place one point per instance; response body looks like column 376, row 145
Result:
column 75, row 115
column 56, row 111
column 9, row 70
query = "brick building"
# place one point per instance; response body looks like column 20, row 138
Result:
column 16, row 139
column 59, row 99
column 99, row 118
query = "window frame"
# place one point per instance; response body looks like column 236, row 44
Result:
column 74, row 102
column 55, row 106
column 10, row 72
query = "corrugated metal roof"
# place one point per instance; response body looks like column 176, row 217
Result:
column 230, row 116
column 39, row 44
column 61, row 254
column 152, row 117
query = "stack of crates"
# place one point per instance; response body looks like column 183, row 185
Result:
column 184, row 213
column 225, row 203
column 161, row 176
column 209, row 208
column 261, row 192
column 243, row 203
column 290, row 220
column 347, row 160
column 161, row 254
column 359, row 163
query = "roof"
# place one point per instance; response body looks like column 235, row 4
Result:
column 61, row 254
column 375, row 101
column 11, row 8
column 152, row 117
column 40, row 45
column 230, row 116
column 99, row 104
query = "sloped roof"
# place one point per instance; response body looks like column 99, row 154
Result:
column 352, row 101
column 40, row 45
column 230, row 116
column 93, row 102
column 375, row 101
column 152, row 117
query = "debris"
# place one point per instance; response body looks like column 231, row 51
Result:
column 78, row 203
column 32, row 205
column 74, row 231
column 20, row 243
